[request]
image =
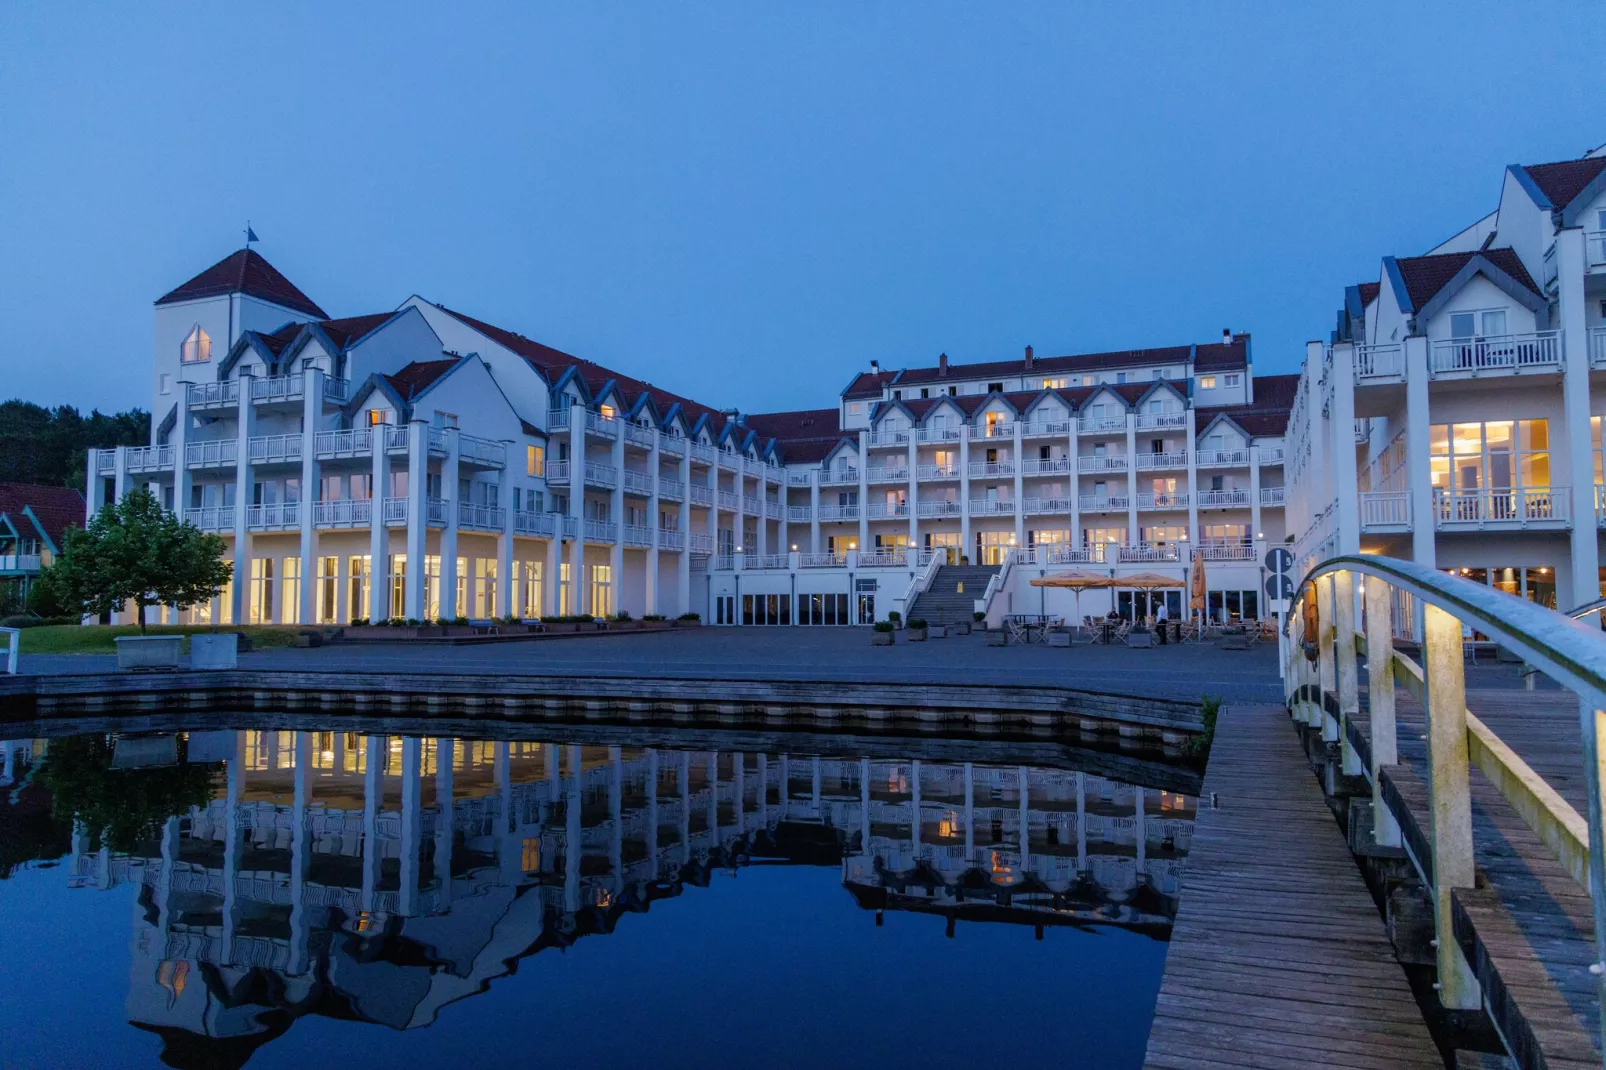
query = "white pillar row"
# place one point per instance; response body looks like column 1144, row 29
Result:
column 579, row 599
column 244, row 427
column 1585, row 550
column 311, row 421
column 378, row 533
column 683, row 523
column 966, row 550
column 654, row 522
column 453, row 498
column 864, row 492
column 416, row 540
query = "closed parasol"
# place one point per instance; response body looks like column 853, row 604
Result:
column 1196, row 596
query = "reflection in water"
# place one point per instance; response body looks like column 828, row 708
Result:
column 381, row 878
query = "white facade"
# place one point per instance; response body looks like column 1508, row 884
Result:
column 1455, row 417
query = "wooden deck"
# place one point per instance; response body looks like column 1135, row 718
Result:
column 1279, row 958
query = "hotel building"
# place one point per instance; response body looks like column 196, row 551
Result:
column 1454, row 416
column 422, row 463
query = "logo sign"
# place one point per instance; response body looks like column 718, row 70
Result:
column 1279, row 587
column 1278, row 560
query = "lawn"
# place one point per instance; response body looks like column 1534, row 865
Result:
column 97, row 638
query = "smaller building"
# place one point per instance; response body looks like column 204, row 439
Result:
column 33, row 525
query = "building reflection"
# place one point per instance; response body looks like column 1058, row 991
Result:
column 381, row 878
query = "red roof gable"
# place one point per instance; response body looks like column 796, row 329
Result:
column 58, row 508
column 803, row 423
column 1369, row 292
column 245, row 272
column 418, row 376
column 1425, row 276
column 343, row 332
column 1561, row 182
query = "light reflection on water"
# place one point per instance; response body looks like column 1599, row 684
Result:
column 427, row 884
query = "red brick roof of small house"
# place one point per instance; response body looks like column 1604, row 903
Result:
column 1425, row 276
column 1563, row 181
column 57, row 509
column 245, row 272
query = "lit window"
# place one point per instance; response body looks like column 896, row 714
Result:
column 1207, row 382
column 531, row 860
column 196, row 347
column 607, row 411
column 855, row 408
column 377, row 417
column 1087, row 380
column 535, row 460
column 1055, row 384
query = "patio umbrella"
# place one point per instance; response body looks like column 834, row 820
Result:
column 1076, row 582
column 1196, row 601
column 1147, row 581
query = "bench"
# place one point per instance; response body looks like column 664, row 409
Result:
column 485, row 627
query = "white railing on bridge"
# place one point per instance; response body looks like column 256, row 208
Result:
column 1540, row 349
column 1520, row 507
column 343, row 512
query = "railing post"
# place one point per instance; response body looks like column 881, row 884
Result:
column 1349, row 682
column 1592, row 722
column 1449, row 797
column 1325, row 666
column 1380, row 704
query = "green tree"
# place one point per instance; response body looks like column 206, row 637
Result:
column 49, row 446
column 120, row 808
column 136, row 551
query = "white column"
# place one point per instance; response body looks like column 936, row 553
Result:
column 1194, row 489
column 1346, row 480
column 616, row 513
column 763, row 528
column 864, row 492
column 966, row 550
column 814, row 510
column 1254, row 495
column 713, row 507
column 1020, row 509
column 1074, row 481
column 1132, row 479
column 550, row 586
column 245, row 426
column 311, row 420
column 504, row 543
column 1585, row 555
column 683, row 523
column 378, row 533
column 653, row 522
column 914, row 497
column 416, row 538
column 1417, row 450
column 449, row 491
column 580, row 600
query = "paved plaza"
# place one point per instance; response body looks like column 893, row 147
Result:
column 1172, row 671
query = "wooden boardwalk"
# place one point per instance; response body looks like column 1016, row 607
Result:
column 1279, row 958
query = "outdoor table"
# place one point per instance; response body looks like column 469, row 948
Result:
column 1107, row 632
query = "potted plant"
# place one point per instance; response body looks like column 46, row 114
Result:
column 881, row 634
column 654, row 622
column 623, row 619
column 894, row 618
column 917, row 630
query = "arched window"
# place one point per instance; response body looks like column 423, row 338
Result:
column 196, row 347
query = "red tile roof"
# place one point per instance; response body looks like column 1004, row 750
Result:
column 58, row 508
column 417, row 377
column 1267, row 415
column 343, row 332
column 245, row 272
column 803, row 423
column 1562, row 182
column 868, row 384
column 1425, row 276
column 1369, row 292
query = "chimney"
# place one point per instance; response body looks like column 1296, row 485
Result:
column 1028, row 358
column 875, row 367
column 1226, row 336
column 942, row 365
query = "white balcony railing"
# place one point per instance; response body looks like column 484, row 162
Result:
column 1163, row 501
column 992, row 507
column 351, row 442
column 701, row 495
column 212, row 518
column 637, row 535
column 213, row 395
column 1142, row 552
column 601, row 531
column 1045, row 428
column 1238, row 458
column 556, row 418
column 396, row 511
column 889, row 438
column 603, row 426
column 1102, row 463
column 396, row 439
column 481, row 451
column 278, row 388
column 214, row 453
column 1046, row 466
column 1045, row 505
column 703, row 452
column 1178, row 459
column 886, row 510
column 275, row 449
column 991, row 469
column 1383, row 361
column 838, row 476
column 673, row 489
column 1597, row 347
column 674, row 445
column 751, row 505
column 941, row 508
column 894, row 558
column 105, row 460
column 671, row 539
column 343, row 513
column 1161, row 421
column 729, row 459
column 1221, row 499
column 1227, row 550
column 1113, row 503
column 836, row 513
column 1272, row 495
column 933, row 472
column 700, row 542
column 601, row 475
column 148, row 458
column 539, row 524
column 798, row 514
column 436, row 510
column 557, row 471
column 799, row 479
column 729, row 499
column 1101, row 425
column 636, row 435
column 638, row 482
column 1595, row 248
column 887, row 474
column 1522, row 507
column 21, row 562
column 1066, row 554
column 1389, row 508
column 1511, row 352
column 481, row 517
column 571, row 528
column 772, row 510
column 723, row 563
column 1271, row 455
column 996, row 429
column 937, row 434
column 274, row 517
column 1600, row 505
column 822, row 560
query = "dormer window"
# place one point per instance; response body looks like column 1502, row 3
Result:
column 1207, row 382
column 1489, row 324
column 607, row 412
column 1055, row 384
column 378, row 417
column 995, row 388
column 196, row 347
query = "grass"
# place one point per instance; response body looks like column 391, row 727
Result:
column 97, row 638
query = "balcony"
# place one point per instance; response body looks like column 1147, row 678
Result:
column 1384, row 362
column 1063, row 553
column 1045, row 505
column 674, row 445
column 541, row 525
column 10, row 563
column 1272, row 495
column 396, row 511
column 481, row 517
column 995, row 429
column 1271, row 456
column 1153, row 461
column 1597, row 347
column 702, row 452
column 887, row 474
column 730, row 500
column 673, row 489
column 822, row 560
column 832, row 477
column 700, row 542
column 602, row 426
column 1149, row 553
column 638, row 536
column 281, row 516
column 436, row 511
column 148, row 458
column 212, row 518
column 1163, row 501
column 1238, row 458
column 1102, row 425
column 557, row 472
column 772, row 510
column 766, row 562
column 1222, row 499
column 1517, row 508
column 1045, row 428
column 1385, row 510
column 333, row 445
column 886, row 510
column 940, row 508
column 1600, row 505
column 1227, row 550
column 1050, row 466
column 729, row 460
column 937, row 434
column 638, row 482
column 1511, row 353
column 992, row 507
column 481, row 451
column 215, row 453
column 838, row 513
column 1102, row 463
column 225, row 395
column 105, row 460
column 396, row 440
column 798, row 514
column 888, row 438
column 701, row 495
column 571, row 528
column 343, row 513
column 1162, row 421
column 723, row 563
column 894, row 558
column 751, row 505
column 605, row 476
column 278, row 389
column 1114, row 503
column 1595, row 249
column 642, row 437
column 991, row 469
column 600, row 531
column 931, row 473
column 798, row 479
column 671, row 539
column 556, row 418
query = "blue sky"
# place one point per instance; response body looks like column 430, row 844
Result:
column 748, row 202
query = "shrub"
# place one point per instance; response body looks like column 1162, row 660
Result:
column 1209, row 709
column 979, row 617
column 30, row 620
column 412, row 622
column 460, row 620
column 915, row 622
column 622, row 616
column 509, row 618
column 690, row 616
column 359, row 622
column 883, row 626
column 654, row 616
column 894, row 616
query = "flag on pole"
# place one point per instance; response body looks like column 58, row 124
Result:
column 250, row 235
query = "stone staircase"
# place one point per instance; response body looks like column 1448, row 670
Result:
column 944, row 602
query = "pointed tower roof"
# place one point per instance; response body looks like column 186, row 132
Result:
column 245, row 272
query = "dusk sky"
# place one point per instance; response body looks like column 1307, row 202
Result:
column 745, row 202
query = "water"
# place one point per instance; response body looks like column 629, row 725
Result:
column 396, row 901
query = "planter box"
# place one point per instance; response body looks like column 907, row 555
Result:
column 998, row 638
column 148, row 651
column 880, row 638
column 562, row 627
column 916, row 635
column 213, row 651
column 938, row 631
column 962, row 628
column 1059, row 638
column 688, row 624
